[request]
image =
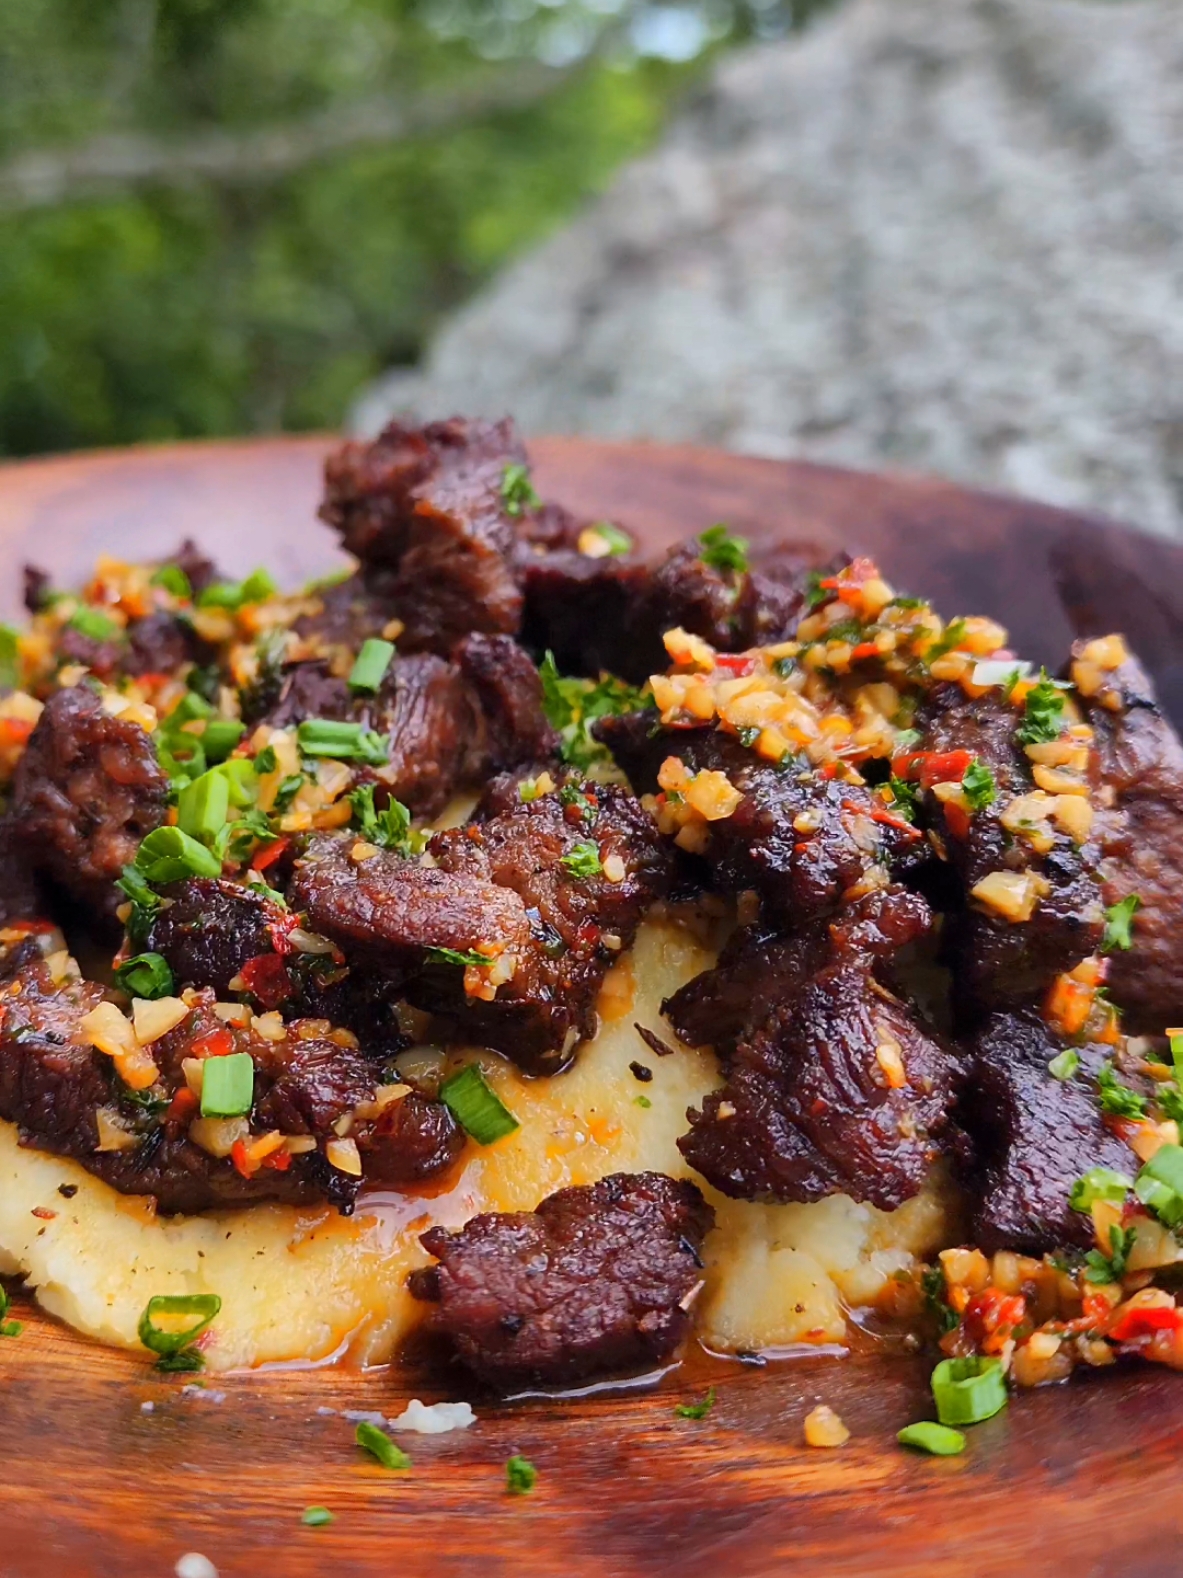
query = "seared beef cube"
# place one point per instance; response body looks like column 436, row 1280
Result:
column 1141, row 771
column 844, row 1091
column 1034, row 1136
column 447, row 724
column 213, row 932
column 21, row 898
column 598, row 1279
column 87, row 790
column 611, row 613
column 54, row 1085
column 351, row 610
column 802, row 842
column 999, row 962
column 759, row 970
column 199, row 570
column 425, row 506
column 579, row 921
column 160, row 643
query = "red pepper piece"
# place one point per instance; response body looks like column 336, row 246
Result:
column 1144, row 1322
column 270, row 853
column 242, row 1162
column 932, row 767
column 215, row 1043
column 735, row 663
column 266, row 978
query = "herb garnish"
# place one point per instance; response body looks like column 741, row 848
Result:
column 517, row 491
column 573, row 705
column 1111, row 1268
column 978, row 785
column 1043, row 712
column 476, row 1106
column 582, row 861
column 8, row 1328
column 1119, row 920
column 390, row 828
column 379, row 1445
column 1117, row 1099
column 722, row 551
column 697, row 1410
column 520, row 1476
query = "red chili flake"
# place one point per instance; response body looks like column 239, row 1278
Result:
column 242, row 1161
column 180, row 1110
column 1131, row 1324
column 735, row 663
column 266, row 978
column 991, row 1312
column 865, row 649
column 280, row 931
column 270, row 853
column 882, row 814
column 932, row 767
column 278, row 1161
column 45, row 1214
column 215, row 1043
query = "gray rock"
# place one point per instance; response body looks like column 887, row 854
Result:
column 944, row 235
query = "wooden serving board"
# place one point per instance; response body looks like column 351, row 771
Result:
column 110, row 1471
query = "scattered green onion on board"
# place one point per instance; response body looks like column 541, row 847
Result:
column 379, row 1445
column 174, row 1344
column 520, row 1476
column 934, row 1438
column 316, row 1517
column 968, row 1390
column 8, row 1328
column 477, row 1108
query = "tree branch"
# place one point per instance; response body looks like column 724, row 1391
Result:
column 114, row 164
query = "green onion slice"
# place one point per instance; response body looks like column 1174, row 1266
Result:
column 1064, row 1064
column 1159, row 1185
column 344, row 742
column 227, row 1085
column 146, row 975
column 95, row 624
column 170, row 855
column 203, row 806
column 174, row 580
column 1099, row 1183
column 316, row 1517
column 169, row 1341
column 372, row 662
column 476, row 1107
column 220, row 736
column 966, row 1391
column 379, row 1445
column 930, row 1437
column 520, row 1476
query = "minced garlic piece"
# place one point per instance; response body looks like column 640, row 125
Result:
column 824, row 1428
column 1012, row 894
column 153, row 1019
column 344, row 1156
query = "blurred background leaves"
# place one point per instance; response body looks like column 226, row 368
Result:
column 224, row 216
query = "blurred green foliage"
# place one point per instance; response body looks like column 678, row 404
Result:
column 181, row 303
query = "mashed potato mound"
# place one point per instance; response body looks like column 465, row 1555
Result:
column 311, row 1285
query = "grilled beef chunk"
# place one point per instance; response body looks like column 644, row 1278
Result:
column 800, row 841
column 160, row 643
column 213, row 932
column 350, row 610
column 53, row 1085
column 1141, row 765
column 448, row 724
column 1034, row 1136
column 598, row 1278
column 844, row 1089
column 87, row 790
column 999, row 963
column 21, row 897
column 611, row 613
column 759, row 970
column 500, row 882
column 422, row 508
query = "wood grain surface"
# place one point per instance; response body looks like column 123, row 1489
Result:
column 110, row 1471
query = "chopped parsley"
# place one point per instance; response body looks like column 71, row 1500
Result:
column 572, row 795
column 948, row 641
column 1043, row 712
column 380, row 1447
column 456, row 956
column 289, row 788
column 520, row 1476
column 517, row 491
column 8, row 1328
column 390, row 828
column 903, row 797
column 1119, row 920
column 573, row 705
column 582, row 861
column 697, row 1410
column 978, row 785
column 722, row 551
column 1117, row 1099
column 933, row 1285
column 1111, row 1267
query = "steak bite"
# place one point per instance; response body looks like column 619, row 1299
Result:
column 598, row 1279
column 68, row 1098
column 1140, row 764
column 424, row 510
column 803, row 842
column 87, row 790
column 1005, row 959
column 213, row 932
column 537, row 901
column 844, row 1089
column 447, row 725
column 759, row 970
column 1034, row 1136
